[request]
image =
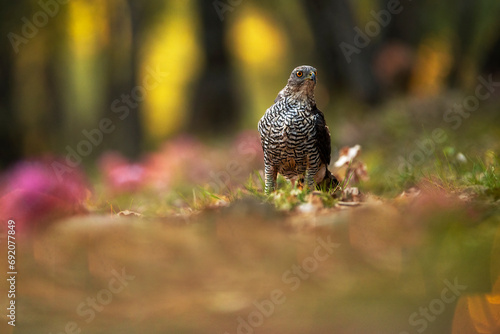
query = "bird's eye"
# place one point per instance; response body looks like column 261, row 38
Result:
column 299, row 74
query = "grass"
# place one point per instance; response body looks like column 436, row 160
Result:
column 448, row 170
column 287, row 197
column 475, row 177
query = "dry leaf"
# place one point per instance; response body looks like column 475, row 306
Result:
column 128, row 213
column 349, row 167
column 346, row 155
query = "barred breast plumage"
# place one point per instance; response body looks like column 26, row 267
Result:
column 294, row 135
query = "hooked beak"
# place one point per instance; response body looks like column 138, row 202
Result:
column 312, row 77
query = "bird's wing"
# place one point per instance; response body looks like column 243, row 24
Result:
column 262, row 132
column 280, row 96
column 323, row 142
column 264, row 126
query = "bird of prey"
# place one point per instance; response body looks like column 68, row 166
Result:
column 294, row 135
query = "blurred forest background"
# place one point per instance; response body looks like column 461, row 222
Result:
column 153, row 107
column 210, row 68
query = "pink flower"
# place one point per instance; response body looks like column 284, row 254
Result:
column 32, row 192
column 120, row 175
column 247, row 149
column 182, row 159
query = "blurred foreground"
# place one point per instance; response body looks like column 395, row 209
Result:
column 421, row 262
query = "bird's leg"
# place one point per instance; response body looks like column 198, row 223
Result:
column 309, row 180
column 271, row 173
column 310, row 173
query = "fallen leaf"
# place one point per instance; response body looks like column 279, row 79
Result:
column 128, row 213
column 347, row 154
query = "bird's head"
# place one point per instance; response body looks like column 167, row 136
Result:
column 301, row 84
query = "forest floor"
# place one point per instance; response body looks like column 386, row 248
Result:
column 185, row 241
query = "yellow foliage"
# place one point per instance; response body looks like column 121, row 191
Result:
column 174, row 48
column 260, row 47
column 432, row 67
column 256, row 40
column 87, row 26
column 480, row 313
column 477, row 314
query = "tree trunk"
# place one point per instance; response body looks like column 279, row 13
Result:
column 333, row 24
column 124, row 65
column 215, row 108
column 11, row 134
